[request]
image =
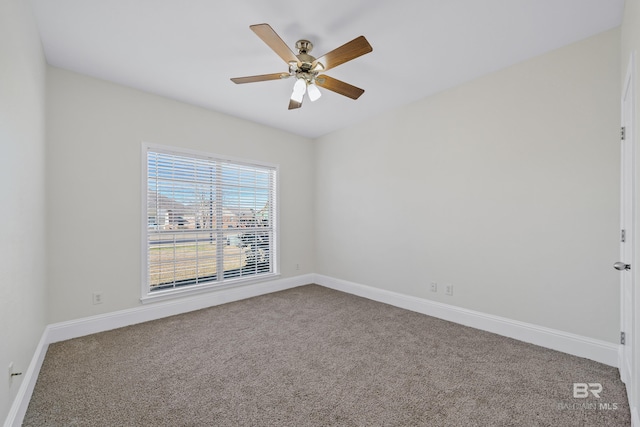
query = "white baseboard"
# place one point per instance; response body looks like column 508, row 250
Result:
column 600, row 351
column 90, row 325
column 152, row 311
column 21, row 401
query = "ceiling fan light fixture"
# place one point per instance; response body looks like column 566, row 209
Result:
column 299, row 88
column 313, row 92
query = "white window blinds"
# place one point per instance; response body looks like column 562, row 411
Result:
column 209, row 220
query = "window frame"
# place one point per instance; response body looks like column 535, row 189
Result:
column 147, row 295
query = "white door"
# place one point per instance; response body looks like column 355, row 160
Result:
column 626, row 264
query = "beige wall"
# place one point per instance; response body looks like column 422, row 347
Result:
column 630, row 45
column 95, row 130
column 506, row 187
column 22, row 153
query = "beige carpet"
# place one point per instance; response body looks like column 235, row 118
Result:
column 311, row 356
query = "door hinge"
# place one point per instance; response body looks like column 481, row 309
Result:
column 623, row 236
column 622, row 338
column 622, row 132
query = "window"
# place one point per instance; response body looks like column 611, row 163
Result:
column 210, row 221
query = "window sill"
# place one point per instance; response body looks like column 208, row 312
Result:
column 165, row 295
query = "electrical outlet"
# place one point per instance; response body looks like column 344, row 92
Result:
column 12, row 373
column 448, row 289
column 297, row 266
column 97, row 298
column 434, row 287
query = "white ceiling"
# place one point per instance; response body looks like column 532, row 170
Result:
column 188, row 50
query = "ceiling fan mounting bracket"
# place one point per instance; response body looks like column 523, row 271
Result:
column 304, row 46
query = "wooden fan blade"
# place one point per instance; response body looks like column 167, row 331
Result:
column 339, row 86
column 348, row 51
column 273, row 40
column 260, row 78
column 294, row 104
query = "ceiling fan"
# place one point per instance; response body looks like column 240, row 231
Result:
column 306, row 69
